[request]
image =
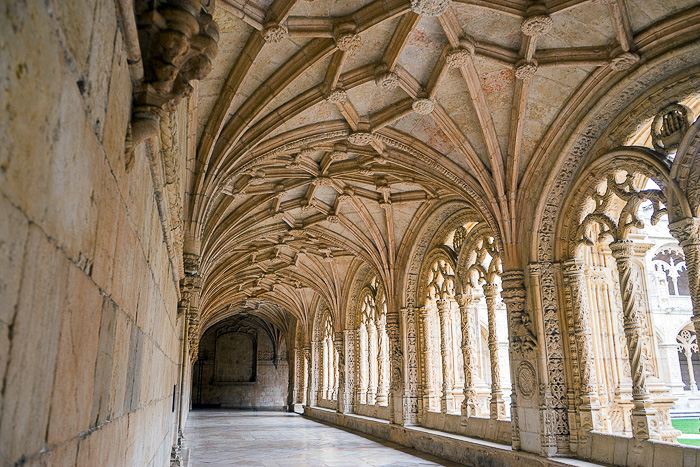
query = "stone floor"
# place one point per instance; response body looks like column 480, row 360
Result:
column 272, row 439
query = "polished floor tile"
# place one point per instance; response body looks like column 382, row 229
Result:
column 278, row 439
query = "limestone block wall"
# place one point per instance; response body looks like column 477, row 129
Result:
column 88, row 340
column 220, row 363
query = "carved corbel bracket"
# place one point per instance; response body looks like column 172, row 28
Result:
column 178, row 43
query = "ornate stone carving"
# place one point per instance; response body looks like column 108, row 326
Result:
column 497, row 404
column 687, row 232
column 430, row 7
column 524, row 339
column 526, row 70
column 577, row 300
column 423, row 106
column 670, row 126
column 410, row 400
column 458, row 57
column 337, row 96
column 624, row 61
column 275, row 33
column 468, row 318
column 536, row 25
column 387, row 80
column 526, row 380
column 348, row 41
column 178, row 42
column 360, row 138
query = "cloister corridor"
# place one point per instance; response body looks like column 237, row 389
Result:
column 274, row 439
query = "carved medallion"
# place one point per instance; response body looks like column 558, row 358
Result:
column 526, row 380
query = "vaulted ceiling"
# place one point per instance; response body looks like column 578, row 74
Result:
column 329, row 131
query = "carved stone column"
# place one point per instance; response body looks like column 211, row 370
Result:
column 309, row 375
column 589, row 410
column 348, row 405
column 497, row 405
column 395, row 370
column 382, row 386
column 465, row 302
column 644, row 422
column 687, row 232
column 316, row 390
column 427, row 377
column 522, row 338
column 410, row 380
column 340, row 371
column 372, row 339
column 447, row 402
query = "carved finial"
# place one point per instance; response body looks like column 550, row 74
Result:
column 423, row 106
column 624, row 61
column 337, row 96
column 430, row 7
column 526, row 70
column 387, row 80
column 275, row 33
column 669, row 127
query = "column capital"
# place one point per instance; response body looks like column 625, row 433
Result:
column 686, row 231
column 622, row 249
column 490, row 290
column 464, row 299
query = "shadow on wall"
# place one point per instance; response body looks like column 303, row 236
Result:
column 242, row 364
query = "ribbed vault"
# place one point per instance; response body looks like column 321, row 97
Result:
column 328, row 132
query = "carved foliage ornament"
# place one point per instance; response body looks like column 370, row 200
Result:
column 629, row 215
column 337, row 96
column 387, row 80
column 423, row 106
column 536, row 25
column 430, row 7
column 275, row 33
column 348, row 41
column 178, row 41
column 526, row 70
column 624, row 61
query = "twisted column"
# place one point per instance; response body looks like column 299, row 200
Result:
column 382, row 387
column 497, row 406
column 447, row 401
column 644, row 423
column 465, row 302
column 578, row 301
column 687, row 232
column 428, row 381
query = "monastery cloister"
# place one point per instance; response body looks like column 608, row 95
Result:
column 466, row 229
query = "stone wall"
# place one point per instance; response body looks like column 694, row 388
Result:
column 88, row 338
column 240, row 376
